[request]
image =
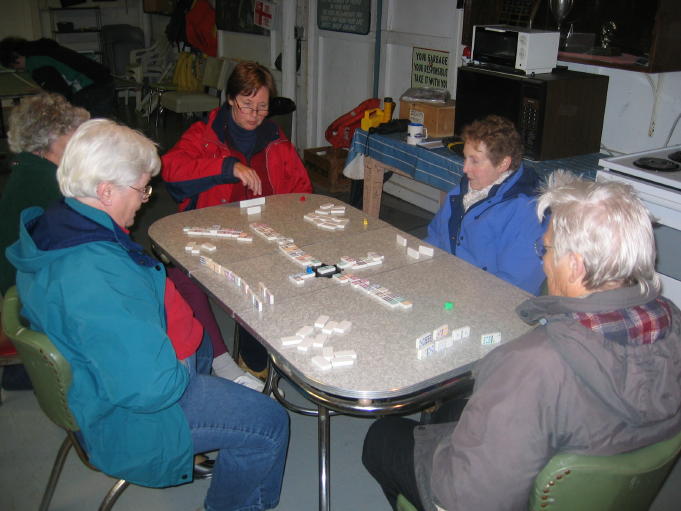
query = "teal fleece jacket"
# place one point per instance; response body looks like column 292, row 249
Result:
column 99, row 298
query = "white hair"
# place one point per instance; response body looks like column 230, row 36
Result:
column 606, row 223
column 102, row 150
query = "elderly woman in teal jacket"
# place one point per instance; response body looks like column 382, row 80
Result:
column 490, row 218
column 140, row 392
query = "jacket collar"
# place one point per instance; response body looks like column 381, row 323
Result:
column 541, row 308
column 266, row 133
column 69, row 223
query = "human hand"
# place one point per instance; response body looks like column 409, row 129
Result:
column 248, row 177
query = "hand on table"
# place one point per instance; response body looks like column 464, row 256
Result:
column 248, row 177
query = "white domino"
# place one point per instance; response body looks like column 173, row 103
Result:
column 252, row 202
column 426, row 251
column 290, row 340
column 305, row 344
column 253, row 210
column 487, row 339
column 346, row 354
column 208, row 247
column 321, row 363
column 321, row 321
column 342, row 327
column 401, row 240
column 413, row 253
column 319, row 340
column 306, row 331
column 329, row 328
column 342, row 361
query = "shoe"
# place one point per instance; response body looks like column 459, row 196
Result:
column 250, row 381
column 204, row 469
column 262, row 375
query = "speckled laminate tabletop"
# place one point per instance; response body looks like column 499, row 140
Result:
column 383, row 338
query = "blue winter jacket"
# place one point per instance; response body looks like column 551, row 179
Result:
column 100, row 300
column 496, row 234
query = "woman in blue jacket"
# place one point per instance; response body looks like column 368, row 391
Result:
column 140, row 392
column 490, row 218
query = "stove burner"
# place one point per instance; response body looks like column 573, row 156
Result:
column 656, row 164
column 675, row 156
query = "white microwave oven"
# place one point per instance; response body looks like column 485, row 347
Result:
column 515, row 49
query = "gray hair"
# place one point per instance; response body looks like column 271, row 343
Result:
column 606, row 223
column 39, row 120
column 102, row 150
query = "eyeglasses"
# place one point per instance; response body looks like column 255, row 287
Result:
column 146, row 192
column 249, row 110
column 540, row 249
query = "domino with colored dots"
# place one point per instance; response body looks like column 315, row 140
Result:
column 488, row 339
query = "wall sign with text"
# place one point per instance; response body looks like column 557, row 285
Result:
column 429, row 68
column 351, row 16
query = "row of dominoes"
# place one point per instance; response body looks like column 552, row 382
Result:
column 380, row 293
column 217, row 231
column 422, row 251
column 240, row 283
column 311, row 337
column 351, row 263
column 439, row 340
column 269, row 234
column 298, row 255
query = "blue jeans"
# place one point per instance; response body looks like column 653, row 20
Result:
column 249, row 429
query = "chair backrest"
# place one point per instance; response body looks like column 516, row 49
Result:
column 215, row 73
column 49, row 371
column 623, row 482
column 118, row 41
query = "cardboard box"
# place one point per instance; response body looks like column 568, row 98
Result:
column 438, row 118
column 325, row 166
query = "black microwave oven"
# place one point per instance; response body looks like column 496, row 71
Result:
column 558, row 114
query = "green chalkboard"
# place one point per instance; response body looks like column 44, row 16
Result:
column 351, row 16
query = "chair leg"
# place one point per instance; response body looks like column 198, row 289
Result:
column 56, row 472
column 115, row 492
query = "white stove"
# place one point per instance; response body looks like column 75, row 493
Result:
column 660, row 191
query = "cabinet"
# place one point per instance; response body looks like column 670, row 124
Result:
column 79, row 29
column 645, row 37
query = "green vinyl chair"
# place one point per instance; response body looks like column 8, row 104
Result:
column 623, row 482
column 50, row 374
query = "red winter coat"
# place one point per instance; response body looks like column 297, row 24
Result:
column 193, row 168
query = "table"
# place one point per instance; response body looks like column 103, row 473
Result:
column 14, row 85
column 387, row 377
column 439, row 168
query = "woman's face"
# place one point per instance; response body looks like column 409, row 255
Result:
column 128, row 200
column 249, row 111
column 477, row 166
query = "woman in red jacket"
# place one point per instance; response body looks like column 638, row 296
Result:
column 236, row 154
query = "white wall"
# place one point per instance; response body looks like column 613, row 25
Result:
column 630, row 105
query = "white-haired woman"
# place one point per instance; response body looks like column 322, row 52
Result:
column 140, row 393
column 600, row 375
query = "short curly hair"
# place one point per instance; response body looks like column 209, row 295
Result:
column 39, row 120
column 500, row 138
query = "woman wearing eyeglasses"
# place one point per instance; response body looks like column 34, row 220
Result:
column 236, row 154
column 140, row 393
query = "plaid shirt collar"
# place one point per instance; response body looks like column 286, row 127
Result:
column 642, row 324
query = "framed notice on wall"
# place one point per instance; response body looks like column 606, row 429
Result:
column 351, row 16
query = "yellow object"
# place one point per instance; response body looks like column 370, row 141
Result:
column 376, row 116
